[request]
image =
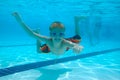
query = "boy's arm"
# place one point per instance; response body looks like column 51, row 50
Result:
column 27, row 29
column 76, row 48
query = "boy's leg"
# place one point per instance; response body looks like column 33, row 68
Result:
column 76, row 38
column 77, row 20
column 77, row 27
column 38, row 45
column 77, row 31
column 38, row 42
column 97, row 29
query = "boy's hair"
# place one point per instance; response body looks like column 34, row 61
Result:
column 57, row 24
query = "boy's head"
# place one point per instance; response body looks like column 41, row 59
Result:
column 57, row 30
column 58, row 25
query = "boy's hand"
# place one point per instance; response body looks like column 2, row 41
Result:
column 77, row 48
column 15, row 14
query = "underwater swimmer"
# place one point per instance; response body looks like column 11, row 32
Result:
column 56, row 43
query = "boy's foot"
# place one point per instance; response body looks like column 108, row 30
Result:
column 77, row 18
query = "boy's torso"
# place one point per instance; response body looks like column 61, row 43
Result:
column 60, row 49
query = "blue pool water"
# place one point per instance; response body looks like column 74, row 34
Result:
column 99, row 32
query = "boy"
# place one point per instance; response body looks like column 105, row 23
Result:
column 56, row 42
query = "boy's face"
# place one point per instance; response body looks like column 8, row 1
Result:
column 57, row 34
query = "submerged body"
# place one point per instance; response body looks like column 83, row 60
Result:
column 56, row 42
column 45, row 48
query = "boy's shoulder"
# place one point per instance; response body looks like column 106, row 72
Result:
column 49, row 39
